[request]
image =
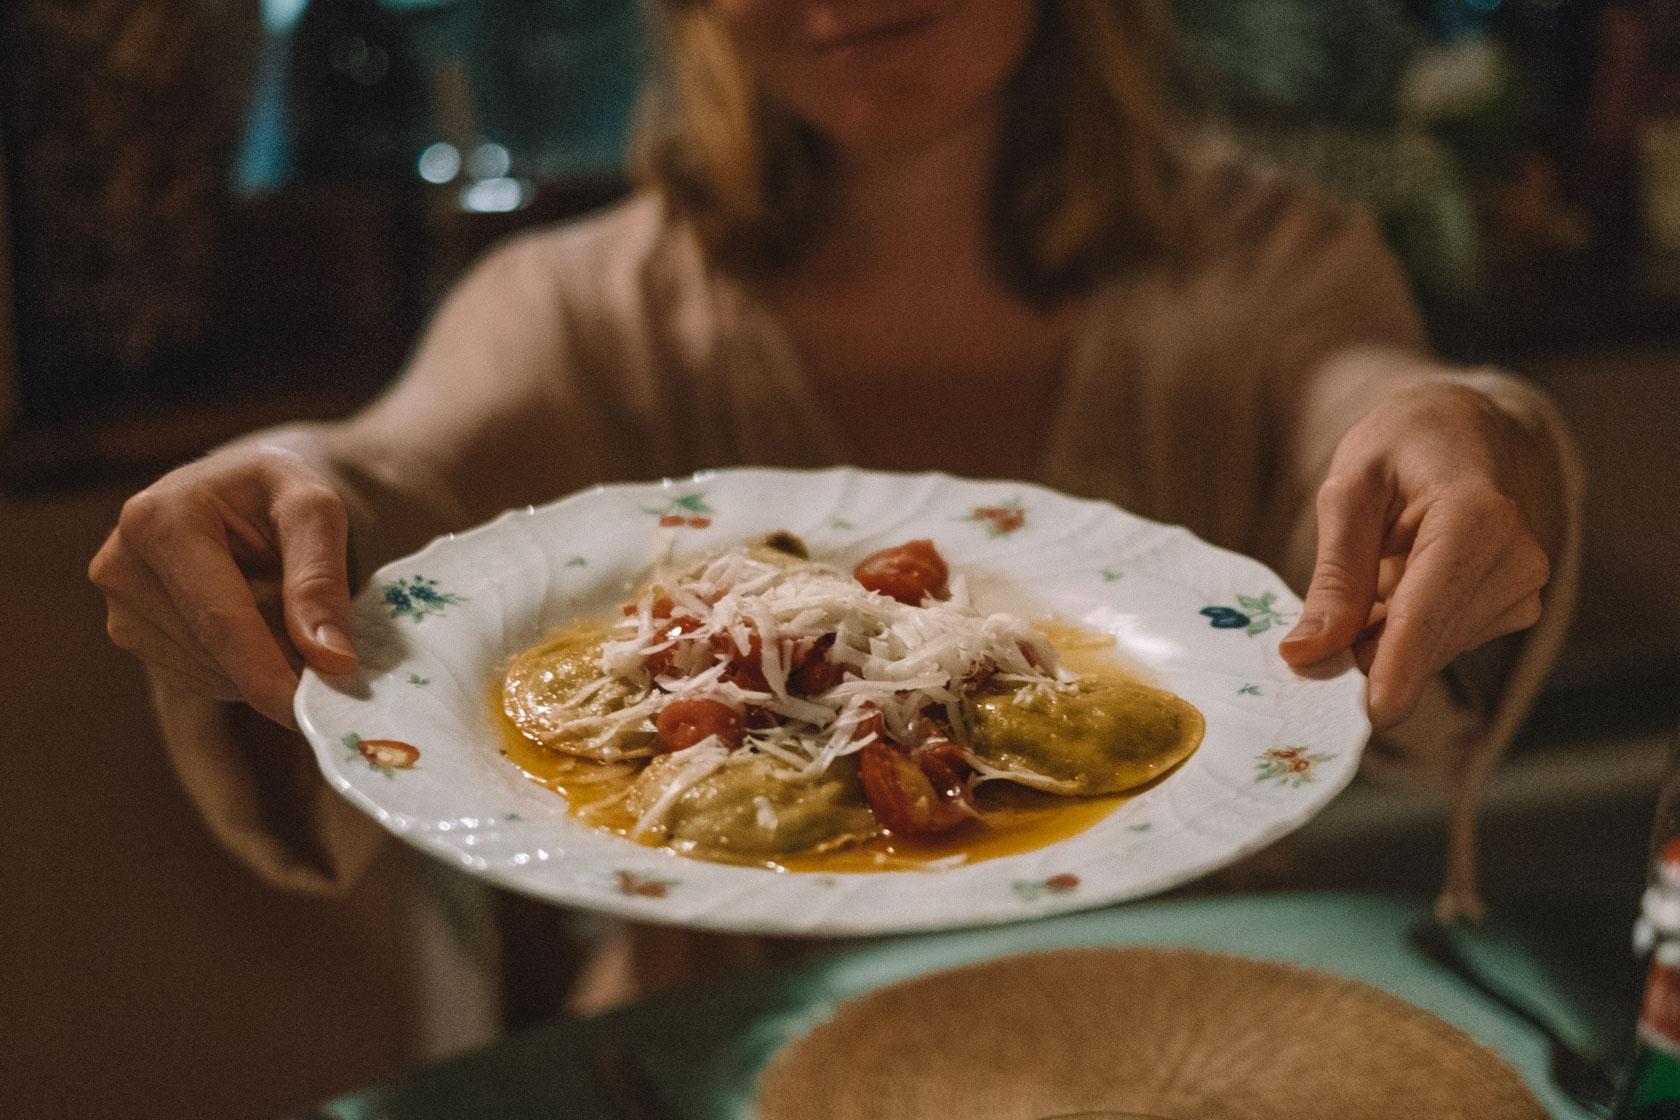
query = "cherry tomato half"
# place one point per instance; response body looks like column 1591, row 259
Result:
column 683, row 723
column 911, row 572
column 902, row 797
column 813, row 673
column 746, row 667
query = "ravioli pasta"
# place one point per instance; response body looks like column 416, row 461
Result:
column 758, row 706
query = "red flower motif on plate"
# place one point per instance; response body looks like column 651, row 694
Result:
column 388, row 753
column 1000, row 521
column 1031, row 890
column 1289, row 766
column 637, row 885
column 690, row 510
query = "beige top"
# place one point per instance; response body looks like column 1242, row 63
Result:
column 1211, row 396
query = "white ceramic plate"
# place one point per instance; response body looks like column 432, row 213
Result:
column 410, row 737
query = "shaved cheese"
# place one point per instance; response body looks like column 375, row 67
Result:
column 765, row 814
column 693, row 765
column 900, row 660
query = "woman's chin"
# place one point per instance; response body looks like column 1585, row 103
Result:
column 872, row 131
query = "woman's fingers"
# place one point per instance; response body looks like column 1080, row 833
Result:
column 1474, row 574
column 133, row 631
column 313, row 532
column 1352, row 522
column 1468, row 573
column 1519, row 616
column 231, row 573
column 189, row 682
column 216, row 604
column 1422, row 555
column 141, row 616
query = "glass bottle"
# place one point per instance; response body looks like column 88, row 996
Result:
column 1652, row 1088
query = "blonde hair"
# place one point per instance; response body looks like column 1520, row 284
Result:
column 1085, row 183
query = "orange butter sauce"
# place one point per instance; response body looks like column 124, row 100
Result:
column 1016, row 819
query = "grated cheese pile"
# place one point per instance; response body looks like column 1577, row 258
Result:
column 901, row 659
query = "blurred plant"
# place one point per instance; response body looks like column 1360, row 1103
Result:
column 1473, row 96
column 1328, row 62
column 1411, row 110
column 1316, row 85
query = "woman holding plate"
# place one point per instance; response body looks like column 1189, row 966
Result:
column 965, row 235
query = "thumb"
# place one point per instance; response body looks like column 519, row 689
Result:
column 1351, row 526
column 313, row 533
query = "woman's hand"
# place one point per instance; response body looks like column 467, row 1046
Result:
column 230, row 574
column 1422, row 551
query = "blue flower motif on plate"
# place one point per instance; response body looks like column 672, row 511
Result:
column 1257, row 615
column 418, row 598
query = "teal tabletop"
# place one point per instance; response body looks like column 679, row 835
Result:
column 695, row 1053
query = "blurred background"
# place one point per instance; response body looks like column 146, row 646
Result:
column 218, row 214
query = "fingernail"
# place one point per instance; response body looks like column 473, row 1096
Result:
column 1310, row 626
column 330, row 636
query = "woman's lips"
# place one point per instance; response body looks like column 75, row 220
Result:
column 878, row 35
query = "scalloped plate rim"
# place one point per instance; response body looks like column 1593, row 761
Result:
column 319, row 693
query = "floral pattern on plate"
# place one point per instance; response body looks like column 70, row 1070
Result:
column 1031, row 890
column 637, row 885
column 999, row 520
column 688, row 510
column 384, row 755
column 1258, row 614
column 1289, row 766
column 416, row 597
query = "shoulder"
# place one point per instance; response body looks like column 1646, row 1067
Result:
column 1277, row 275
column 627, row 279
column 521, row 311
column 635, row 242
column 1268, row 250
